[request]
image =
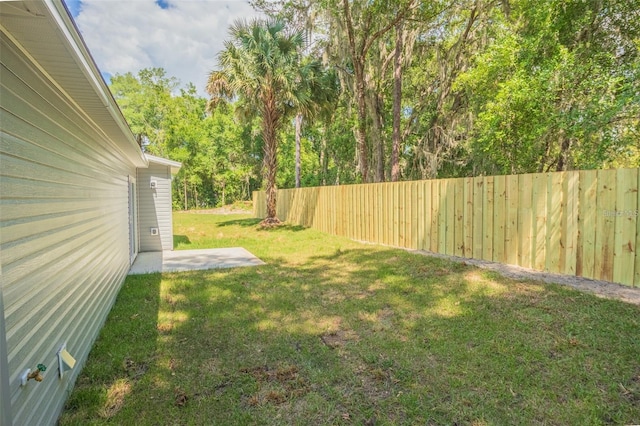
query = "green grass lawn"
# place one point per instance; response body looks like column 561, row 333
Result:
column 331, row 331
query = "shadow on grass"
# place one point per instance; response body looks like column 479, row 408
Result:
column 255, row 223
column 360, row 336
column 180, row 239
column 283, row 227
column 252, row 222
column 123, row 353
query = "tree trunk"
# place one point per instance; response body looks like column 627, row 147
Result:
column 361, row 130
column 397, row 104
column 186, row 205
column 324, row 161
column 298, row 147
column 269, row 123
column 376, row 134
column 358, row 68
column 563, row 156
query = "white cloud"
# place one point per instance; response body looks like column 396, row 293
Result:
column 184, row 38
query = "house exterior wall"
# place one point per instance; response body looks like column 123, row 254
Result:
column 154, row 208
column 5, row 401
column 64, row 232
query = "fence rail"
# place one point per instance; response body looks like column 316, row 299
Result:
column 582, row 223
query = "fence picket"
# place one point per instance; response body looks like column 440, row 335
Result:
column 605, row 225
column 539, row 207
column 570, row 223
column 555, row 209
column 511, row 246
column 478, row 224
column 450, row 216
column 435, row 215
column 487, row 220
column 442, row 216
column 413, row 212
column 420, row 215
column 458, row 227
column 401, row 230
column 625, row 227
column 428, row 214
column 499, row 218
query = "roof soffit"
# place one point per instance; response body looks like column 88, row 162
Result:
column 46, row 34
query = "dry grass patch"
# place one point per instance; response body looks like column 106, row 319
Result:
column 116, row 395
column 276, row 385
column 339, row 338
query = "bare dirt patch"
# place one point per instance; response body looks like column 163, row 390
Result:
column 338, row 338
column 271, row 222
column 276, row 385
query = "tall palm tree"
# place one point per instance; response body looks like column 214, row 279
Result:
column 260, row 68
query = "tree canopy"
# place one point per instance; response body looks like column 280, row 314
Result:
column 217, row 151
column 412, row 90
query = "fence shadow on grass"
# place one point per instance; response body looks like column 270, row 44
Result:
column 283, row 227
column 251, row 222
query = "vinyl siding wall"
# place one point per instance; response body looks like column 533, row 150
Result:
column 154, row 208
column 64, row 233
column 5, row 401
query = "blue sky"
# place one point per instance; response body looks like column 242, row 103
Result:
column 181, row 36
column 74, row 6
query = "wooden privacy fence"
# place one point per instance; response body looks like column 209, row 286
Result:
column 582, row 223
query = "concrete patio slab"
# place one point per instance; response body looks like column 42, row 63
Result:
column 192, row 260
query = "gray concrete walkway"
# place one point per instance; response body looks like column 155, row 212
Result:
column 192, row 260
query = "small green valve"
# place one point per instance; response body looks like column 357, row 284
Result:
column 35, row 375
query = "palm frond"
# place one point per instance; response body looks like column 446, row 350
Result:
column 218, row 89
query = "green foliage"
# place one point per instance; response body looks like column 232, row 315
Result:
column 218, row 153
column 558, row 88
column 286, row 160
column 146, row 102
column 487, row 88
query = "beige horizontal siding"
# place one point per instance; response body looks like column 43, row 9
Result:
column 64, row 247
column 154, row 208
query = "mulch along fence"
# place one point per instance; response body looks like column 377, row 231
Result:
column 582, row 223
